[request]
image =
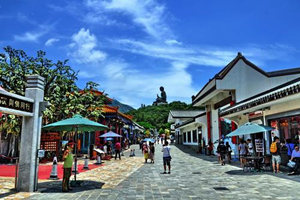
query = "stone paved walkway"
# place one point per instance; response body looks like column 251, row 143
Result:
column 192, row 177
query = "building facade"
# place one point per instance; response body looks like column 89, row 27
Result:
column 243, row 92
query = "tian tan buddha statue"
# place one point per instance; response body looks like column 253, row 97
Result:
column 162, row 99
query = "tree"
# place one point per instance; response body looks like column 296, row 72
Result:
column 60, row 87
column 157, row 116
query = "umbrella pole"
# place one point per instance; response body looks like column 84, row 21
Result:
column 76, row 138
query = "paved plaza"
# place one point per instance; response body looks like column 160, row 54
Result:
column 193, row 176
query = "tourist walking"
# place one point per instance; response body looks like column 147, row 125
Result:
column 145, row 151
column 105, row 149
column 222, row 151
column 152, row 151
column 275, row 151
column 228, row 150
column 68, row 161
column 166, row 157
column 210, row 147
column 118, row 150
column 242, row 152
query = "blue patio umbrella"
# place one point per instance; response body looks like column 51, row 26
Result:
column 249, row 128
column 110, row 134
column 148, row 140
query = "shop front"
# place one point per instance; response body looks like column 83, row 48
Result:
column 286, row 125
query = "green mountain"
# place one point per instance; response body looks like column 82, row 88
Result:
column 157, row 116
column 122, row 107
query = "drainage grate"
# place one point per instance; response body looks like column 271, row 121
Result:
column 196, row 173
column 221, row 188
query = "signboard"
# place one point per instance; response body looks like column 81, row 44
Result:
column 259, row 146
column 14, row 103
column 50, row 137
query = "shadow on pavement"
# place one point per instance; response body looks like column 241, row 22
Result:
column 12, row 191
column 56, row 186
column 240, row 172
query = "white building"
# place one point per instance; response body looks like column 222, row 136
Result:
column 188, row 126
column 243, row 92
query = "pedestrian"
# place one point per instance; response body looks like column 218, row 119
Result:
column 166, row 157
column 210, row 147
column 117, row 150
column 145, row 151
column 275, row 151
column 243, row 152
column 222, row 151
column 297, row 137
column 290, row 146
column 152, row 151
column 228, row 150
column 109, row 148
column 295, row 158
column 250, row 148
column 68, row 161
column 105, row 148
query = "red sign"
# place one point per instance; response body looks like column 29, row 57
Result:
column 50, row 137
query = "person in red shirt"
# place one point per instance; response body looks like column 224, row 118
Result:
column 118, row 150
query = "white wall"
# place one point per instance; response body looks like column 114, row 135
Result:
column 248, row 82
column 202, row 121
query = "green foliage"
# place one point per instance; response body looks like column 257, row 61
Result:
column 60, row 89
column 157, row 116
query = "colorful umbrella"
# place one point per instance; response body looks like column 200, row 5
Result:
column 249, row 128
column 76, row 123
column 110, row 134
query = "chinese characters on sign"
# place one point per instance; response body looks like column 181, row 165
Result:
column 14, row 103
column 259, row 145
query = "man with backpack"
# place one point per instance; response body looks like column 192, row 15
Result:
column 221, row 149
column 275, row 151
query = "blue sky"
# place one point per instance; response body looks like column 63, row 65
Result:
column 132, row 47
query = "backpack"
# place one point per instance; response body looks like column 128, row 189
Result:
column 273, row 147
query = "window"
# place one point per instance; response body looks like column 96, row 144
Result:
column 184, row 136
column 189, row 137
column 195, row 136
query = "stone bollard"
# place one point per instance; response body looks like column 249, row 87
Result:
column 53, row 174
column 86, row 163
column 131, row 153
column 99, row 162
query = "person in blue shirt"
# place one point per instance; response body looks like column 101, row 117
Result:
column 296, row 158
column 290, row 146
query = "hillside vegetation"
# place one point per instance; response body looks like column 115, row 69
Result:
column 157, row 116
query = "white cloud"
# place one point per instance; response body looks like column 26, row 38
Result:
column 84, row 46
column 200, row 56
column 146, row 13
column 51, row 41
column 134, row 87
column 173, row 42
column 29, row 36
column 34, row 36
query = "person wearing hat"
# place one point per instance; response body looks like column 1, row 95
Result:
column 68, row 161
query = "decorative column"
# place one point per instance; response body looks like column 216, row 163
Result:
column 30, row 136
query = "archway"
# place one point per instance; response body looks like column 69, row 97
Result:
column 30, row 108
